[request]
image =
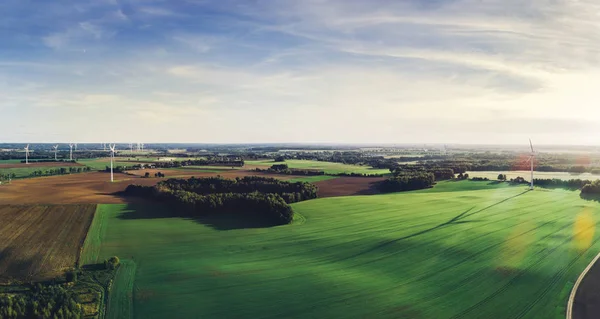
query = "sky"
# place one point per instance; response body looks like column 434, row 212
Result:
column 323, row 71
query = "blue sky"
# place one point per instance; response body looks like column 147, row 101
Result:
column 457, row 71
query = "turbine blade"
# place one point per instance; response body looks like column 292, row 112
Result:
column 530, row 144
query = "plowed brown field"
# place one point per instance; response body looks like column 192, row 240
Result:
column 345, row 186
column 41, row 241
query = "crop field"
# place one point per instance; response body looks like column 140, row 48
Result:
column 102, row 163
column 26, row 171
column 41, row 241
column 328, row 167
column 493, row 175
column 460, row 250
column 312, row 179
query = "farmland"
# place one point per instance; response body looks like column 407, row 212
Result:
column 462, row 249
column 492, row 175
column 41, row 241
column 327, row 167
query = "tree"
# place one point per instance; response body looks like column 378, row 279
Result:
column 112, row 262
column 147, row 175
column 501, row 177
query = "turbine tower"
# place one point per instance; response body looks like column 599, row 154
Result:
column 70, row 151
column 131, row 147
column 112, row 158
column 26, row 154
column 531, row 159
column 75, row 146
column 55, row 147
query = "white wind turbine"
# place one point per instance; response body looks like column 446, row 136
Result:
column 26, row 154
column 531, row 159
column 71, row 151
column 112, row 158
column 55, row 147
column 131, row 147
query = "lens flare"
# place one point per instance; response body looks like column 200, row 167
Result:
column 515, row 247
column 583, row 230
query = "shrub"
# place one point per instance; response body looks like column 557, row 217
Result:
column 112, row 263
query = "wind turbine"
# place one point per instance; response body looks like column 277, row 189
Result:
column 531, row 159
column 70, row 151
column 75, row 146
column 26, row 154
column 131, row 147
column 55, row 147
column 112, row 158
column 142, row 146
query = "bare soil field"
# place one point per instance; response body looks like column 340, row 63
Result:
column 345, row 186
column 39, row 242
column 96, row 188
column 46, row 164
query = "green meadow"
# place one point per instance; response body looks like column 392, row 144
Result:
column 459, row 250
column 21, row 172
column 328, row 167
column 102, row 163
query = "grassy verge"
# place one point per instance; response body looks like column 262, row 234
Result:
column 120, row 300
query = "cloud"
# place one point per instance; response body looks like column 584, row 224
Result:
column 351, row 70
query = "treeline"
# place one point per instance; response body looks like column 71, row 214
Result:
column 591, row 188
column 284, row 169
column 211, row 161
column 60, row 171
column 258, row 197
column 407, row 181
column 44, row 302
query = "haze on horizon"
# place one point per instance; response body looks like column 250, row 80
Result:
column 456, row 71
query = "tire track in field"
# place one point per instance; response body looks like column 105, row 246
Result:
column 452, row 221
column 520, row 274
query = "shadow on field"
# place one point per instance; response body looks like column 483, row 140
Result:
column 15, row 267
column 456, row 220
column 220, row 221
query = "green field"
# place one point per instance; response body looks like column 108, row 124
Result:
column 22, row 172
column 328, row 167
column 460, row 250
column 102, row 163
column 493, row 175
column 10, row 161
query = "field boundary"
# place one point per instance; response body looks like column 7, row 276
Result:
column 90, row 250
column 569, row 314
column 120, row 296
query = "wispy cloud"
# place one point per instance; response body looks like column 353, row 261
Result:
column 351, row 70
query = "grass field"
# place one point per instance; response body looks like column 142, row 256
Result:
column 328, row 167
column 460, row 250
column 120, row 300
column 41, row 241
column 101, row 163
column 22, row 172
column 493, row 175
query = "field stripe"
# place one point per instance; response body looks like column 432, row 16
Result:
column 120, row 299
column 93, row 241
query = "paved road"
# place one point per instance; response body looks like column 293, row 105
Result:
column 587, row 298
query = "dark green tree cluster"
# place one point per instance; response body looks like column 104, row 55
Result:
column 283, row 169
column 210, row 161
column 407, row 182
column 248, row 184
column 357, row 175
column 592, row 188
column 258, row 197
column 479, row 179
column 555, row 182
column 41, row 302
column 502, row 177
